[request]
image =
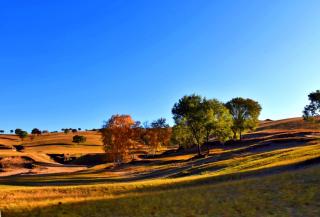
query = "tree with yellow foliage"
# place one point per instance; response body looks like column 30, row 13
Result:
column 118, row 137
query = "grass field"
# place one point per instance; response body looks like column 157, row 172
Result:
column 273, row 172
column 287, row 194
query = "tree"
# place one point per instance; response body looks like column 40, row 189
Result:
column 79, row 129
column 74, row 130
column 245, row 114
column 117, row 137
column 79, row 139
column 22, row 134
column 1, row 131
column 203, row 118
column 189, row 111
column 11, row 131
column 182, row 136
column 66, row 131
column 160, row 123
column 17, row 131
column 36, row 131
column 219, row 121
column 158, row 135
column 312, row 111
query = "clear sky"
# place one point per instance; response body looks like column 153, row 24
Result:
column 75, row 63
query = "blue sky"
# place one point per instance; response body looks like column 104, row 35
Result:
column 75, row 63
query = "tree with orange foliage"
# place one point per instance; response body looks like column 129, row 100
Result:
column 118, row 137
column 158, row 135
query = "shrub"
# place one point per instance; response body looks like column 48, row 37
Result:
column 79, row 139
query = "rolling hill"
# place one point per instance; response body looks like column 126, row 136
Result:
column 274, row 171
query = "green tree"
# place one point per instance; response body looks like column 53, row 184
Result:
column 312, row 111
column 17, row 131
column 23, row 134
column 79, row 139
column 245, row 114
column 182, row 136
column 219, row 121
column 203, row 118
column 36, row 131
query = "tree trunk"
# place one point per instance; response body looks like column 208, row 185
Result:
column 207, row 137
column 240, row 135
column 235, row 135
column 199, row 149
column 197, row 140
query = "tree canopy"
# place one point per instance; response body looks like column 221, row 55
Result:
column 36, row 131
column 245, row 114
column 202, row 119
column 117, row 137
column 312, row 111
column 158, row 134
column 79, row 139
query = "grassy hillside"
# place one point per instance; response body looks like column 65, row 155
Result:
column 273, row 172
column 288, row 124
column 49, row 142
column 293, row 193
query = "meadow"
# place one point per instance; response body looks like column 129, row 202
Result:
column 274, row 171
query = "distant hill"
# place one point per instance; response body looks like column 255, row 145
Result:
column 288, row 124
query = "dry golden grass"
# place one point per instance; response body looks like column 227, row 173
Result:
column 273, row 177
column 288, row 124
column 292, row 193
column 50, row 138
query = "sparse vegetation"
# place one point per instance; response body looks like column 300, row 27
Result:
column 79, row 139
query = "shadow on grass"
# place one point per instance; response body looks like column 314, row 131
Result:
column 233, row 199
column 48, row 180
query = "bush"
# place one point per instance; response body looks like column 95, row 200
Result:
column 19, row 147
column 79, row 139
column 36, row 131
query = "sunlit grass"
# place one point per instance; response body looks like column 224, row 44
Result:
column 165, row 191
column 278, row 195
column 221, row 185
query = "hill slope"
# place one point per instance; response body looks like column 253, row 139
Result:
column 272, row 172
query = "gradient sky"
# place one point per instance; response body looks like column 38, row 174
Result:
column 75, row 63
